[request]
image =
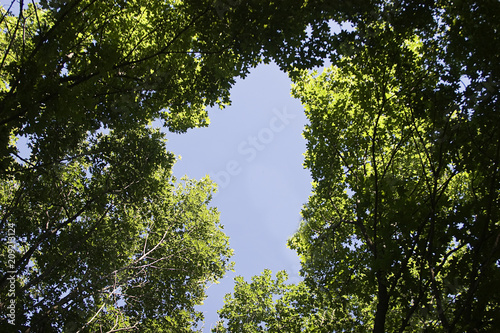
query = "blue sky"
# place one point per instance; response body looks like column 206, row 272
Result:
column 254, row 150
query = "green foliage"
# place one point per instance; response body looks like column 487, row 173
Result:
column 109, row 239
column 271, row 305
column 77, row 66
column 253, row 308
column 401, row 231
column 105, row 237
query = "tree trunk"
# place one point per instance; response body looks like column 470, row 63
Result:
column 383, row 304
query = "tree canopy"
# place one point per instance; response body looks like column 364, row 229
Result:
column 401, row 232
column 102, row 237
column 97, row 233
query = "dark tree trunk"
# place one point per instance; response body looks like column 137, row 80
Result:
column 383, row 304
